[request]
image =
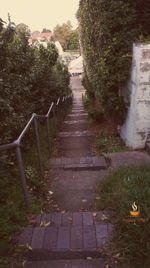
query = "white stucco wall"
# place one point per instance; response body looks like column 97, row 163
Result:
column 137, row 125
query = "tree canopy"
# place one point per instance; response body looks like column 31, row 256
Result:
column 68, row 38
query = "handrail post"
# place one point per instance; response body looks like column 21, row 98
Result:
column 48, row 136
column 22, row 174
column 54, row 118
column 38, row 143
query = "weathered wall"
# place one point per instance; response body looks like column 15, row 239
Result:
column 137, row 125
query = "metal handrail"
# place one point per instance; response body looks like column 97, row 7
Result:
column 16, row 144
column 24, row 131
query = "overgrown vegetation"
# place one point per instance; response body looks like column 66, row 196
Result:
column 118, row 192
column 68, row 38
column 108, row 30
column 109, row 142
column 30, row 79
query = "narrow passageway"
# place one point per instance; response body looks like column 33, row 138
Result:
column 74, row 231
column 74, row 174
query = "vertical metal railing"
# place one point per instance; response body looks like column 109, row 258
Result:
column 56, row 111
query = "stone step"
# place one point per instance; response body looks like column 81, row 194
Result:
column 76, row 146
column 91, row 263
column 77, row 104
column 79, row 163
column 75, row 115
column 71, row 122
column 74, row 112
column 75, row 125
column 66, row 236
column 84, row 133
column 79, row 110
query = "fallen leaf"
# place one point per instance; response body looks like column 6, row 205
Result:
column 28, row 246
column 104, row 217
column 55, row 206
column 23, row 263
column 89, row 258
column 41, row 223
column 94, row 214
column 47, row 224
column 70, row 219
column 50, row 192
column 117, row 256
column 84, row 200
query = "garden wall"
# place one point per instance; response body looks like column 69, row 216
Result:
column 137, row 125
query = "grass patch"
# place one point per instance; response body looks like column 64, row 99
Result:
column 118, row 192
column 109, row 142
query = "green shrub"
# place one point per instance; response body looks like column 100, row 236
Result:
column 30, row 79
column 108, row 29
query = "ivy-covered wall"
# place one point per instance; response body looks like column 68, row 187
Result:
column 108, row 30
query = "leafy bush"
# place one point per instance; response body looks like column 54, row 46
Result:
column 30, row 79
column 108, row 30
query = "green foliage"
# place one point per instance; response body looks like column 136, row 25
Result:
column 62, row 34
column 108, row 30
column 118, row 192
column 93, row 112
column 29, row 76
column 74, row 40
column 109, row 142
column 68, row 38
column 30, row 79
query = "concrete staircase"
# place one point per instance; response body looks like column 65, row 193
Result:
column 73, row 237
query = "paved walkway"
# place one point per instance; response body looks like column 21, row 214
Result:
column 74, row 231
column 75, row 173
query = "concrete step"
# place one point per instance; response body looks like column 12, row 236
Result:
column 84, row 133
column 92, row 263
column 75, row 115
column 78, row 110
column 74, row 112
column 75, row 125
column 76, row 146
column 72, row 122
column 67, row 235
column 79, row 163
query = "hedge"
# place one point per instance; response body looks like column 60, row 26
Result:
column 108, row 29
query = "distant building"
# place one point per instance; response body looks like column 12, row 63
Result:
column 76, row 66
column 40, row 37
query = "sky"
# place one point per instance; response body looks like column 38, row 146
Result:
column 40, row 14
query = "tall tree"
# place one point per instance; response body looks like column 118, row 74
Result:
column 23, row 28
column 62, row 34
column 46, row 30
column 74, row 40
